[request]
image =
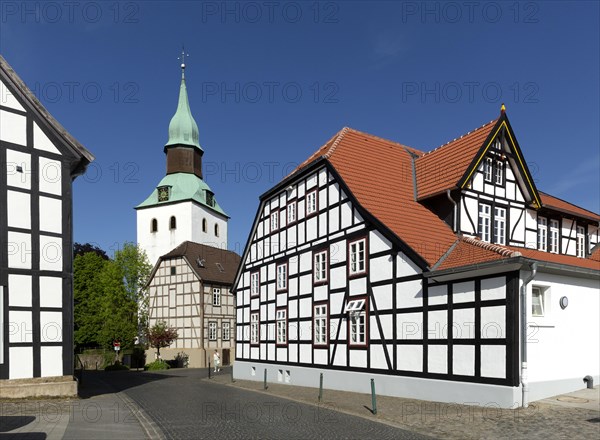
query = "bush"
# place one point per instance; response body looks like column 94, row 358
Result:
column 117, row 366
column 158, row 364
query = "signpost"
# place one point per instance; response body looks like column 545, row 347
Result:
column 117, row 346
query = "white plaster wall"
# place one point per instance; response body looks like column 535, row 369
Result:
column 53, row 222
column 564, row 346
column 51, row 361
column 51, row 292
column 41, row 141
column 16, row 178
column 18, row 209
column 19, row 250
column 19, row 290
column 13, row 128
column 189, row 217
column 7, row 99
column 21, row 362
column 50, row 176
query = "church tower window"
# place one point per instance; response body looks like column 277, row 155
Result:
column 216, row 230
column 173, row 223
column 154, row 225
column 204, row 225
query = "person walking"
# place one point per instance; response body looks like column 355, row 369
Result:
column 217, row 361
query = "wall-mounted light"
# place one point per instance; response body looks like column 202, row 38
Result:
column 564, row 302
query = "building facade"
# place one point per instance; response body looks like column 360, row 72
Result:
column 183, row 230
column 190, row 289
column 40, row 159
column 444, row 276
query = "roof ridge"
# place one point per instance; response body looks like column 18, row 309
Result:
column 458, row 138
column 379, row 138
column 491, row 247
column 340, row 135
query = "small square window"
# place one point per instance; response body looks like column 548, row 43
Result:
column 537, row 301
column 173, row 270
column 311, row 203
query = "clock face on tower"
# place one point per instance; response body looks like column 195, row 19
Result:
column 163, row 193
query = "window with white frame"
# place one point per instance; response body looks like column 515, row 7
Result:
column 281, row 320
column 542, row 235
column 216, row 299
column 274, row 221
column 254, row 329
column 226, row 336
column 358, row 263
column 212, row 331
column 488, row 167
column 554, row 236
column 538, row 301
column 291, row 213
column 581, row 251
column 484, row 221
column 254, row 283
column 281, row 277
column 311, row 202
column 320, row 324
column 499, row 172
column 320, row 268
column 357, row 322
column 500, row 225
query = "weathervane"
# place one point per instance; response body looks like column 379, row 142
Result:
column 182, row 58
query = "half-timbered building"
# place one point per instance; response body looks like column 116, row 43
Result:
column 190, row 288
column 39, row 159
column 444, row 275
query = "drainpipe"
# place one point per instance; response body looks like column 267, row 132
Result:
column 455, row 210
column 524, row 383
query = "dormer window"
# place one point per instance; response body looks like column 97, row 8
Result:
column 164, row 192
column 210, row 198
column 488, row 167
column 499, row 172
column 581, row 251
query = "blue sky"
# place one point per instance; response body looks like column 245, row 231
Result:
column 270, row 82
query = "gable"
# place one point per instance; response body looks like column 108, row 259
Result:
column 502, row 135
column 48, row 134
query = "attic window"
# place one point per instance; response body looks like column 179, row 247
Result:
column 220, row 267
column 497, row 144
column 210, row 198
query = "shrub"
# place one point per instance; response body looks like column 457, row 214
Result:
column 158, row 364
column 117, row 366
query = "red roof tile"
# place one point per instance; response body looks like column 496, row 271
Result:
column 471, row 251
column 557, row 204
column 442, row 168
column 379, row 173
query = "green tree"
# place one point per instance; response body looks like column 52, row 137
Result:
column 88, row 294
column 136, row 271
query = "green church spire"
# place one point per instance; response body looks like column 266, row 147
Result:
column 183, row 129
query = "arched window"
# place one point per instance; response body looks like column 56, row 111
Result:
column 154, row 225
column 216, row 230
column 204, row 225
column 173, row 223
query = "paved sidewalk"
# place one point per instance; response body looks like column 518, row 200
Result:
column 101, row 413
column 571, row 416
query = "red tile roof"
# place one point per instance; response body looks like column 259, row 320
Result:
column 379, row 173
column 442, row 168
column 557, row 204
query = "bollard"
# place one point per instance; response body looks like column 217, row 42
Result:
column 321, row 388
column 266, row 379
column 209, row 370
column 373, row 397
column 232, row 379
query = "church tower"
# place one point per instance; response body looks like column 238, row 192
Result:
column 182, row 207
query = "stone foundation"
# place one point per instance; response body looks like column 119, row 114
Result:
column 61, row 386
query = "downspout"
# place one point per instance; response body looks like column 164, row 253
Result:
column 454, row 219
column 524, row 383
